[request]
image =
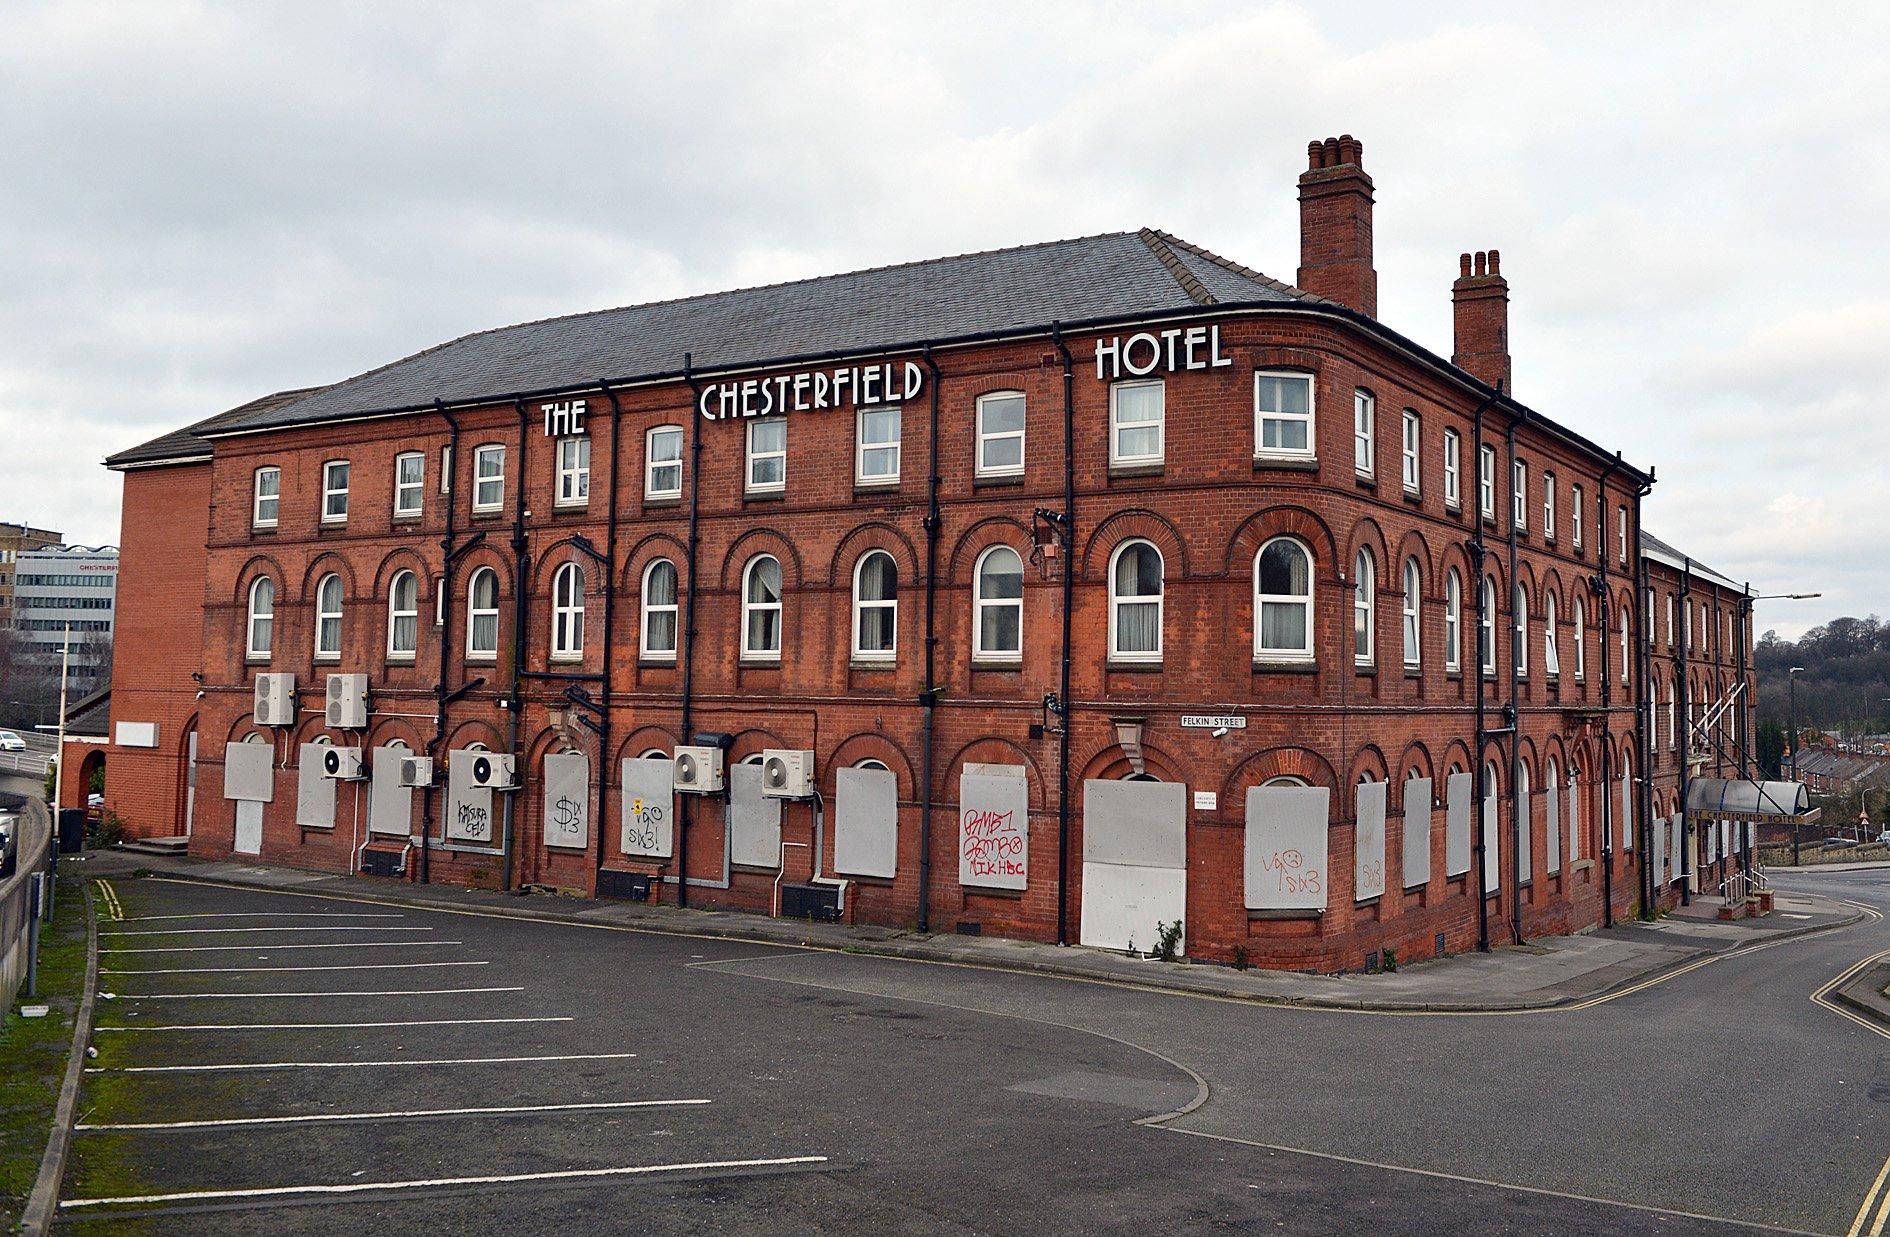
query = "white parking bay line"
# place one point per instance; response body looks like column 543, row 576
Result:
column 269, row 915
column 287, row 927
column 224, row 996
column 328, row 1026
column 363, row 1187
column 248, row 970
column 408, row 1115
column 210, row 949
column 247, row 1065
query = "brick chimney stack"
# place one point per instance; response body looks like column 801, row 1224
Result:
column 1335, row 225
column 1480, row 301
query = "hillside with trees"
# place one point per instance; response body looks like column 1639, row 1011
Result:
column 1844, row 686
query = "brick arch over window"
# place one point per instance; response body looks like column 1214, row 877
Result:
column 874, row 535
column 403, row 559
column 1456, row 759
column 1263, row 766
column 1135, row 524
column 993, row 530
column 545, row 565
column 482, row 556
column 325, row 563
column 1526, row 577
column 313, row 724
column 995, row 751
column 1367, row 535
column 241, row 728
column 1412, row 545
column 1369, row 759
column 1415, row 762
column 639, row 741
column 761, row 541
column 385, row 731
column 645, row 551
column 468, row 733
column 1551, row 585
column 752, row 742
column 1281, row 521
column 872, row 745
column 1111, row 763
column 256, row 566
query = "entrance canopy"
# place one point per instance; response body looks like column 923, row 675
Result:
column 1713, row 798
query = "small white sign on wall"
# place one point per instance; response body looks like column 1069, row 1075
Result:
column 136, row 734
column 1206, row 801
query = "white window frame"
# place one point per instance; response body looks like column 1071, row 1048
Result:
column 1364, row 433
column 567, row 613
column 395, row 613
column 1117, row 425
column 1486, row 482
column 985, row 437
column 489, row 471
column 647, row 610
column 1519, row 494
column 1486, row 626
column 878, row 451
column 1117, row 601
column 261, row 615
column 1261, row 417
column 1581, row 639
column 257, row 498
column 1453, row 470
column 1519, row 630
column 1551, row 655
column 331, row 512
column 1672, row 619
column 861, row 605
column 1412, row 460
column 572, row 458
column 981, row 603
column 751, row 457
column 1624, row 649
column 475, row 611
column 751, row 607
column 1261, row 650
column 1548, row 506
column 1364, row 608
column 1575, row 517
column 1621, row 532
column 417, row 487
column 446, row 469
column 1453, row 620
column 1411, row 606
column 323, row 615
column 652, row 488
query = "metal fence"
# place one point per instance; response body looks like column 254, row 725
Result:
column 33, row 763
column 26, row 899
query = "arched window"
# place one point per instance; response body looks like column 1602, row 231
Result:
column 1135, row 602
column 875, row 607
column 1364, row 608
column 262, row 616
column 1492, row 827
column 403, row 616
column 659, row 610
column 1284, row 780
column 1624, row 649
column 1525, row 822
column 1551, row 659
column 1413, row 642
column 1282, row 573
column 998, row 605
column 1552, row 815
column 1453, row 620
column 1581, row 639
column 567, row 613
column 328, row 618
column 482, row 615
column 870, row 763
column 1486, row 627
column 761, row 608
column 1519, row 648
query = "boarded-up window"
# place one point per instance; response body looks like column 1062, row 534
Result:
column 866, row 822
column 1553, row 831
column 1627, row 809
column 1286, row 847
column 649, row 806
column 568, row 800
column 314, row 794
column 1417, row 832
column 1457, row 792
column 1368, row 853
column 249, row 772
column 1677, row 845
column 754, row 821
column 390, row 805
column 470, row 819
column 994, row 827
column 1135, row 860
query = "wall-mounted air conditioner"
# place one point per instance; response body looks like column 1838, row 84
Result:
column 347, row 702
column 343, row 764
column 495, row 771
column 275, row 700
column 787, row 774
column 416, row 771
column 699, row 770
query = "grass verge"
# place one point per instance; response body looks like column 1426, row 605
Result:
column 33, row 1050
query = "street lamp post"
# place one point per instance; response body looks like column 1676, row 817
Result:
column 1791, row 725
column 59, row 749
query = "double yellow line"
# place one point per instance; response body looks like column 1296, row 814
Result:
column 110, row 897
column 1875, row 1211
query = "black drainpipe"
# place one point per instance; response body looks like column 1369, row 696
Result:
column 1069, row 585
column 521, row 563
column 1604, row 605
column 1644, row 715
column 1683, row 710
column 1519, row 648
column 686, row 807
column 1477, row 552
column 928, row 693
column 610, row 609
column 434, row 749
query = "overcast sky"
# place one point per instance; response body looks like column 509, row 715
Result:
column 203, row 203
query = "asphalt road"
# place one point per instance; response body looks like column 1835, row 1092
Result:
column 652, row 1081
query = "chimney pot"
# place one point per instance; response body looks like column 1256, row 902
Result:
column 1313, row 156
column 1463, row 266
column 1496, row 262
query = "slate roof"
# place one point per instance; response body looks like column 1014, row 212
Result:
column 184, row 444
column 1653, row 547
column 1117, row 274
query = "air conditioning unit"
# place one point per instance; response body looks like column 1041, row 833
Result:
column 347, row 702
column 699, row 770
column 275, row 700
column 787, row 774
column 416, row 771
column 495, row 771
column 343, row 764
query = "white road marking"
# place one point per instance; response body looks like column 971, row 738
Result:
column 236, row 970
column 220, row 996
column 328, row 1026
column 363, row 1187
column 287, row 927
column 245, row 1065
column 268, row 915
column 208, row 949
column 407, row 1115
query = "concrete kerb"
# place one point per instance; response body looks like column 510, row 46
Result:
column 43, row 1202
column 1202, row 981
column 1864, row 993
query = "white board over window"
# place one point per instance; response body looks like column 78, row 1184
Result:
column 1627, row 811
column 314, row 794
column 390, row 805
column 1574, row 820
column 568, row 800
column 994, row 827
column 1368, row 848
column 649, row 806
column 470, row 819
column 1135, row 862
column 1417, row 832
column 1676, row 845
column 1286, row 847
column 1492, row 826
column 1658, row 858
column 754, row 821
column 1457, row 792
column 866, row 822
column 249, row 772
column 1552, row 833
column 1525, row 837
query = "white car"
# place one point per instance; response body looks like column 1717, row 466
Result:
column 10, row 742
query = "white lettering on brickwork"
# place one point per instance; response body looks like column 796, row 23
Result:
column 1178, row 348
column 811, row 390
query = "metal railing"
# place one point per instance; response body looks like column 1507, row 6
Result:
column 26, row 900
column 26, row 762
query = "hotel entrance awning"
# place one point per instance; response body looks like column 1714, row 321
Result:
column 1714, row 798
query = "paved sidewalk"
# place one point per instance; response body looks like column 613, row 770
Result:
column 1545, row 973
